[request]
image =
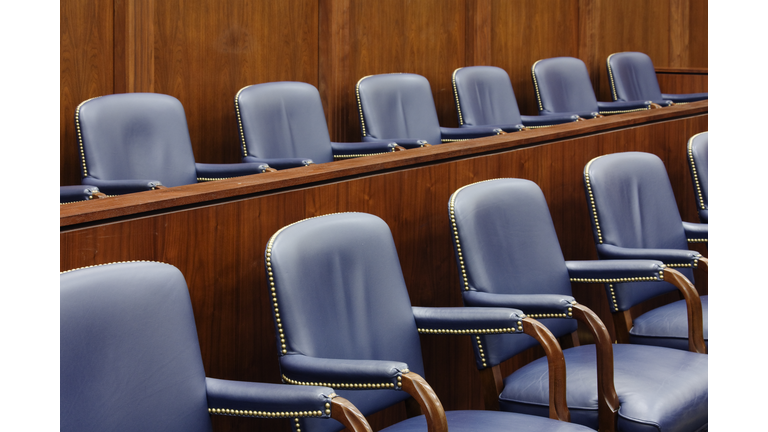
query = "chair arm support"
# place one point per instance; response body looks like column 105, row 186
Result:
column 504, row 127
column 467, row 320
column 556, row 305
column 670, row 257
column 279, row 163
column 408, row 143
column 342, row 373
column 683, row 98
column 468, row 132
column 558, row 406
column 208, row 172
column 420, row 390
column 619, row 107
column 68, row 194
column 615, row 271
column 693, row 306
column 549, row 120
column 119, row 187
column 696, row 232
column 365, row 148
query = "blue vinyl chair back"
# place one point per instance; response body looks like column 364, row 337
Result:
column 283, row 120
column 632, row 205
column 342, row 296
column 698, row 161
column 633, row 77
column 130, row 359
column 562, row 85
column 509, row 246
column 484, row 96
column 398, row 105
column 135, row 136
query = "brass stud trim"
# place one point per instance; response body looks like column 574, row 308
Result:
column 267, row 414
column 700, row 201
column 240, row 120
column 110, row 263
column 480, row 350
column 623, row 111
column 359, row 104
column 697, row 240
column 352, row 156
column 616, row 280
column 536, row 85
column 349, row 386
column 78, row 130
column 593, row 214
column 456, row 96
column 445, row 140
column 472, row 331
column 610, row 75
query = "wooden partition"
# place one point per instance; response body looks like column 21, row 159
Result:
column 216, row 233
column 203, row 52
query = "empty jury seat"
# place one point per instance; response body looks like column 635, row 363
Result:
column 698, row 157
column 635, row 216
column 562, row 85
column 68, row 194
column 283, row 124
column 343, row 317
column 135, row 142
column 508, row 255
column 484, row 97
column 130, row 360
column 399, row 107
column 633, row 77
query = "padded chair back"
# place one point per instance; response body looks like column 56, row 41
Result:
column 633, row 77
column 135, row 136
column 398, row 105
column 698, row 156
column 342, row 296
column 633, row 206
column 562, row 85
column 508, row 245
column 484, row 96
column 283, row 120
column 130, row 359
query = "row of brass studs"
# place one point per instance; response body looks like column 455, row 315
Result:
column 240, row 121
column 695, row 173
column 617, row 280
column 553, row 315
column 480, row 350
column 682, row 265
column 456, row 96
column 536, row 86
column 697, row 241
column 624, row 111
column 80, row 135
column 269, row 414
column 592, row 201
column 116, row 262
column 610, row 74
column 475, row 331
column 355, row 386
column 446, row 140
column 351, row 156
column 360, row 105
column 615, row 305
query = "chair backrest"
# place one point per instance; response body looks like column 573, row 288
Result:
column 398, row 105
column 562, row 85
column 633, row 77
column 339, row 293
column 632, row 205
column 283, row 120
column 698, row 161
column 508, row 245
column 484, row 96
column 135, row 136
column 130, row 358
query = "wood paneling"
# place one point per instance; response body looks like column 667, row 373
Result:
column 216, row 232
column 687, row 80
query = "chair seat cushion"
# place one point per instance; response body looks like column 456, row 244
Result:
column 666, row 326
column 660, row 389
column 477, row 421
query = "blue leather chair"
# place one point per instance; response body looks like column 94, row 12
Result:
column 633, row 77
column 69, row 194
column 634, row 216
column 508, row 255
column 399, row 107
column 343, row 318
column 135, row 142
column 282, row 124
column 698, row 157
column 484, row 97
column 130, row 360
column 563, row 86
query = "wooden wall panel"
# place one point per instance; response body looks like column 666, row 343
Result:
column 698, row 39
column 86, row 71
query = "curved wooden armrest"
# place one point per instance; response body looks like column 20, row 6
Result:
column 158, row 187
column 693, row 306
column 558, row 407
column 501, row 132
column 607, row 398
column 581, row 119
column 98, row 195
column 270, row 169
column 419, row 389
column 599, row 116
column 398, row 148
column 654, row 106
column 705, row 261
column 347, row 414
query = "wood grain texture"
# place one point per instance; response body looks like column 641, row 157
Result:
column 678, row 81
column 218, row 244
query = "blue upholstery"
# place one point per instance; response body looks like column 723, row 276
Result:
column 506, row 247
column 130, row 359
column 562, row 86
column 633, row 78
column 68, row 194
column 698, row 161
column 484, row 96
column 136, row 141
column 283, row 124
column 399, row 107
column 634, row 216
column 343, row 317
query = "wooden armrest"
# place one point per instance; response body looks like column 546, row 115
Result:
column 558, row 407
column 419, row 389
column 693, row 306
column 347, row 414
